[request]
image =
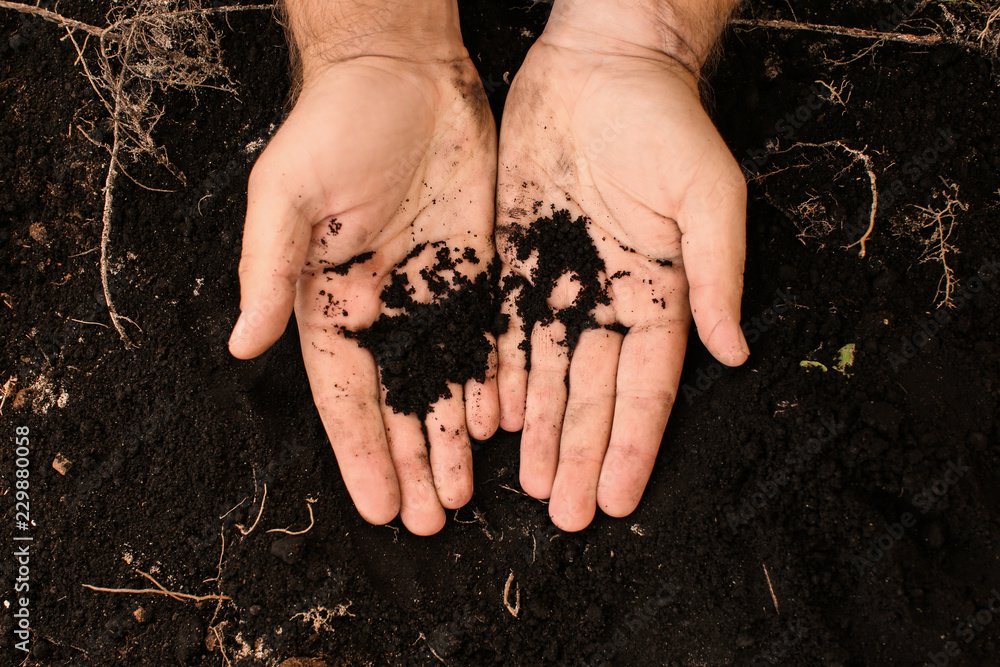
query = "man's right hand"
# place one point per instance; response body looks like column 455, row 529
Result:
column 391, row 147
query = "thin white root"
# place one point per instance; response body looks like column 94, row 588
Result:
column 222, row 553
column 477, row 518
column 222, row 649
column 247, row 531
column 235, row 507
column 836, row 94
column 513, row 490
column 159, row 590
column 50, row 16
column 320, row 617
column 309, row 504
column 859, row 156
column 842, row 31
column 218, row 575
column 774, row 598
column 109, row 189
column 941, row 221
column 430, row 648
column 516, row 609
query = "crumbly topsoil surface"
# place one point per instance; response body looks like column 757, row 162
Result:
column 862, row 507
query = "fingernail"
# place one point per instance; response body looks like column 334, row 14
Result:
column 743, row 342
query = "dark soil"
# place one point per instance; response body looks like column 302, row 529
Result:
column 870, row 498
column 561, row 246
column 428, row 346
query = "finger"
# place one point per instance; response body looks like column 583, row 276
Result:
column 586, row 429
column 420, row 508
column 649, row 371
column 482, row 400
column 450, row 451
column 546, row 404
column 512, row 377
column 275, row 241
column 345, row 390
column 713, row 228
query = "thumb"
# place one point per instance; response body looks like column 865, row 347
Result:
column 713, row 237
column 275, row 241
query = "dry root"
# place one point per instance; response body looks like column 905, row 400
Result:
column 289, row 531
column 159, row 590
column 812, row 216
column 835, row 95
column 940, row 220
column 515, row 608
column 858, row 33
column 320, row 617
column 966, row 34
column 147, row 46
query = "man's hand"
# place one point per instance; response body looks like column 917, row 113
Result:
column 379, row 187
column 604, row 121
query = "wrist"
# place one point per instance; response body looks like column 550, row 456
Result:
column 324, row 32
column 686, row 31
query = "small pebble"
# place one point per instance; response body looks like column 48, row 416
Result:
column 61, row 464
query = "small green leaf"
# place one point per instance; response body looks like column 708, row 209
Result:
column 812, row 364
column 845, row 358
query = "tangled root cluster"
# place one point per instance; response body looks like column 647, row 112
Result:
column 152, row 45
